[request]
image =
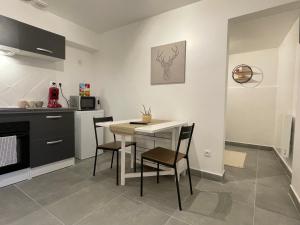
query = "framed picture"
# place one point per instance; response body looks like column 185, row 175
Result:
column 168, row 63
column 84, row 89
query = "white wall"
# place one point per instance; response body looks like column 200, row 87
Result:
column 124, row 71
column 250, row 113
column 296, row 155
column 287, row 80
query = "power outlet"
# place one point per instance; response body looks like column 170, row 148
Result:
column 207, row 153
column 57, row 83
column 51, row 82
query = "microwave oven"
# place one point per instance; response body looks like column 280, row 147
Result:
column 85, row 102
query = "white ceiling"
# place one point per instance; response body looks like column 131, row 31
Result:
column 260, row 31
column 104, row 15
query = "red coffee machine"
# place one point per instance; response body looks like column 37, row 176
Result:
column 53, row 96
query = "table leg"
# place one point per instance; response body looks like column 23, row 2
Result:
column 132, row 154
column 123, row 160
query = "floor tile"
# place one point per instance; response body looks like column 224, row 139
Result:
column 74, row 196
column 126, row 212
column 267, row 156
column 241, row 191
column 268, row 168
column 40, row 217
column 107, row 181
column 276, row 200
column 264, row 217
column 215, row 208
column 52, row 187
column 162, row 196
column 238, row 174
column 173, row 221
column 277, row 182
column 14, row 205
column 72, row 208
column 85, row 167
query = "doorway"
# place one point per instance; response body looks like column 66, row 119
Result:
column 263, row 79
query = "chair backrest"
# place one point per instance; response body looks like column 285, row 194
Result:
column 186, row 132
column 101, row 120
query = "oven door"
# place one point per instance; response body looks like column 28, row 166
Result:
column 87, row 103
column 20, row 155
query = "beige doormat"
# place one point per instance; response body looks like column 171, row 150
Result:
column 235, row 159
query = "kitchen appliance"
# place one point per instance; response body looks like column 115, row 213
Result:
column 21, row 131
column 83, row 103
column 53, row 96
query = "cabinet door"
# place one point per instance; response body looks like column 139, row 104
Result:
column 51, row 125
column 49, row 150
column 9, row 32
column 36, row 40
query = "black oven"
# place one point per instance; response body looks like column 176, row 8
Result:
column 19, row 131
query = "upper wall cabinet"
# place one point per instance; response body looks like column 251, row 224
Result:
column 28, row 40
column 9, row 32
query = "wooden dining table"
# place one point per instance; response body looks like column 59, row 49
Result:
column 172, row 126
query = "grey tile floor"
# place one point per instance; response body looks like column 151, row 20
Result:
column 255, row 195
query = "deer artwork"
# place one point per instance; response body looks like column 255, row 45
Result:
column 166, row 65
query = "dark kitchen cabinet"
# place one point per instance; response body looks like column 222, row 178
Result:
column 30, row 39
column 9, row 32
column 33, row 39
column 49, row 150
column 51, row 125
column 51, row 135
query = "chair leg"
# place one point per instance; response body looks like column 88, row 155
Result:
column 134, row 158
column 189, row 173
column 117, row 167
column 177, row 186
column 142, row 170
column 157, row 175
column 95, row 162
column 112, row 159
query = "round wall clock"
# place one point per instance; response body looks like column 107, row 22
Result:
column 242, row 74
column 247, row 76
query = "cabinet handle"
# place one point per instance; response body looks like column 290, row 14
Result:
column 54, row 142
column 53, row 117
column 44, row 50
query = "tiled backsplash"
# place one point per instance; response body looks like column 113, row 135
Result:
column 19, row 81
column 24, row 78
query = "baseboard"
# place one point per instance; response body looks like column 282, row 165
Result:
column 51, row 167
column 286, row 167
column 208, row 175
column 295, row 197
column 14, row 177
column 239, row 144
column 27, row 174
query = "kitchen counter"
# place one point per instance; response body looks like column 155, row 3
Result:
column 34, row 110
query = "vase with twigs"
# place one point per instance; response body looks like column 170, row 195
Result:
column 146, row 115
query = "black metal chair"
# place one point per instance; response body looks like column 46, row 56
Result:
column 114, row 146
column 170, row 158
